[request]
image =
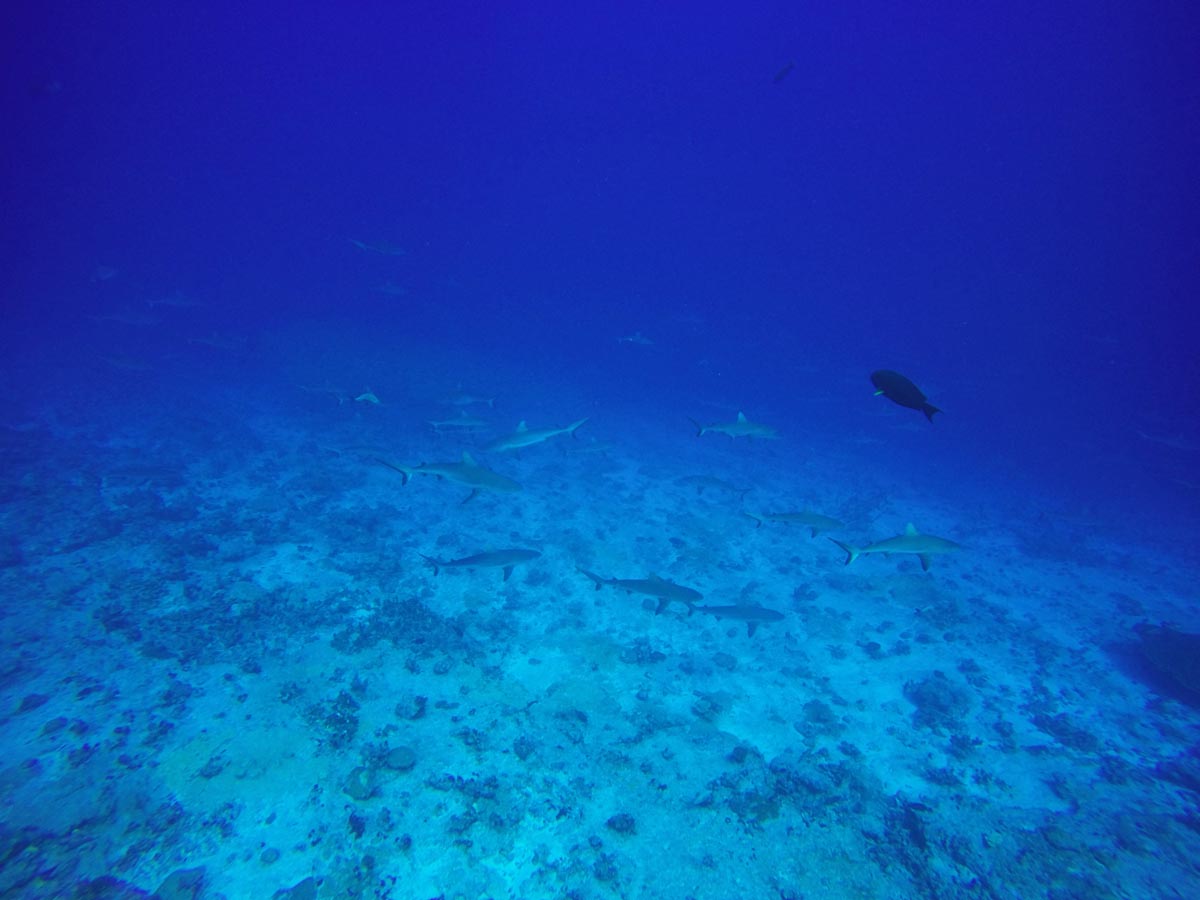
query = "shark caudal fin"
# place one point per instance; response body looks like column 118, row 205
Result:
column 596, row 579
column 929, row 409
column 405, row 473
column 432, row 562
column 850, row 550
column 699, row 427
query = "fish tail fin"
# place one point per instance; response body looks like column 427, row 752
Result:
column 575, row 426
column 929, row 409
column 850, row 550
column 433, row 563
column 699, row 427
column 405, row 473
column 757, row 520
column 596, row 579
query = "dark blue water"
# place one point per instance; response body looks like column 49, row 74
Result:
column 1002, row 204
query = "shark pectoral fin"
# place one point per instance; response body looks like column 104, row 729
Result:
column 813, row 532
column 877, row 394
column 751, row 627
column 507, row 572
column 471, row 496
column 662, row 604
column 925, row 561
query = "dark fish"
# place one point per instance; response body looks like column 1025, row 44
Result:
column 784, row 72
column 902, row 392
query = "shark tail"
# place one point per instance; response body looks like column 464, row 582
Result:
column 596, row 579
column 851, row 551
column 575, row 426
column 405, row 473
column 433, row 562
column 699, row 427
column 929, row 409
column 757, row 521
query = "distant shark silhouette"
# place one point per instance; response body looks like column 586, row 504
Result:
column 753, row 616
column 740, row 427
column 815, row 522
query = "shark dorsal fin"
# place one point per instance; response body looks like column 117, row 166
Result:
column 741, row 416
column 467, row 459
column 910, row 529
column 521, row 426
column 653, row 577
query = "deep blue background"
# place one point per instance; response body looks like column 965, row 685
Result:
column 1002, row 203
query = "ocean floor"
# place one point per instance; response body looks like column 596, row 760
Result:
column 229, row 672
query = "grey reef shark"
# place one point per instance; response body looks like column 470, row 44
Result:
column 651, row 586
column 462, row 423
column 495, row 559
column 902, row 392
column 466, row 472
column 753, row 616
column 525, row 436
column 923, row 546
column 815, row 522
column 739, row 427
